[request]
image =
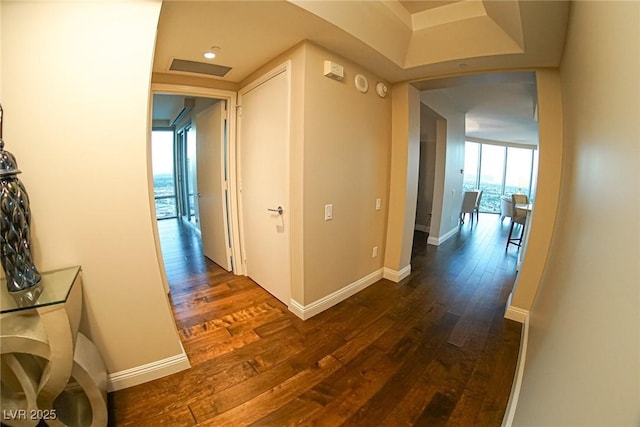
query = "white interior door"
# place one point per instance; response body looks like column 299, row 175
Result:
column 263, row 153
column 212, row 184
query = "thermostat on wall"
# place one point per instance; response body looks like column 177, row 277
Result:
column 333, row 70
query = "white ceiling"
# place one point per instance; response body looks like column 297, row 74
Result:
column 392, row 38
column 498, row 106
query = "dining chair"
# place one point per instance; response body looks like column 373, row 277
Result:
column 519, row 217
column 468, row 205
column 477, row 209
column 506, row 208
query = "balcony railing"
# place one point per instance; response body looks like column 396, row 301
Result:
column 166, row 207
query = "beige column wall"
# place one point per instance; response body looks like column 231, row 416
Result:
column 548, row 187
column 403, row 190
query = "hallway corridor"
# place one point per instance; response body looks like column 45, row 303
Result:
column 431, row 350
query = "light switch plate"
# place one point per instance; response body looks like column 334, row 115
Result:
column 328, row 212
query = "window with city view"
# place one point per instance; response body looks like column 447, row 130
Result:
column 499, row 170
column 164, row 187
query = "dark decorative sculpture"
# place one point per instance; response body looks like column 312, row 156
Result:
column 15, row 218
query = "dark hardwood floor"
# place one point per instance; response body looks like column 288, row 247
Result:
column 431, row 350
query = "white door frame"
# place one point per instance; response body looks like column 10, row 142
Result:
column 282, row 68
column 232, row 101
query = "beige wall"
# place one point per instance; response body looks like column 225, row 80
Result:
column 75, row 90
column 427, row 165
column 438, row 180
column 582, row 364
column 426, row 176
column 339, row 148
column 347, row 137
column 447, row 197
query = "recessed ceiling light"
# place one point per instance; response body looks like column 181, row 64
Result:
column 211, row 53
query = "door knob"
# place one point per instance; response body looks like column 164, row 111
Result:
column 279, row 210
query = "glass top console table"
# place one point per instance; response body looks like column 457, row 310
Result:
column 51, row 372
column 54, row 288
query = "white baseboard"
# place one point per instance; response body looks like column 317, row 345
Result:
column 148, row 372
column 307, row 311
column 437, row 241
column 519, row 315
column 510, row 413
column 396, row 276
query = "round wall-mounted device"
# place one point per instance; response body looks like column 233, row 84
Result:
column 361, row 83
column 381, row 89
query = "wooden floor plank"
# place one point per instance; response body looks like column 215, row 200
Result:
column 354, row 384
column 290, row 414
column 432, row 350
column 277, row 397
